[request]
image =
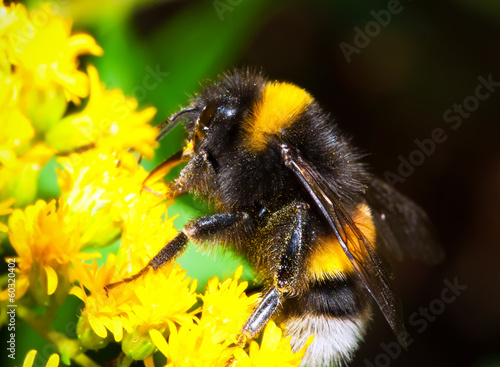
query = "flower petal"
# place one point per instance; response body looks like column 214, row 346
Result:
column 77, row 291
column 53, row 360
column 159, row 341
column 51, row 279
column 83, row 43
column 98, row 327
column 30, row 358
column 117, row 330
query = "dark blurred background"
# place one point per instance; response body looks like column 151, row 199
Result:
column 403, row 78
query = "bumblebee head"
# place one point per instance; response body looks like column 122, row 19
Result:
column 220, row 157
column 220, row 108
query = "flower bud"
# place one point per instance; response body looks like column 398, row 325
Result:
column 138, row 344
column 44, row 107
column 88, row 338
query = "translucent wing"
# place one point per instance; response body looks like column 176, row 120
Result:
column 356, row 246
column 402, row 226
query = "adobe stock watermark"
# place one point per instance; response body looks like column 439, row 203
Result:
column 223, row 6
column 11, row 308
column 69, row 331
column 363, row 36
column 453, row 117
column 420, row 320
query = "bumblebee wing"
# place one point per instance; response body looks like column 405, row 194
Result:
column 356, row 246
column 402, row 226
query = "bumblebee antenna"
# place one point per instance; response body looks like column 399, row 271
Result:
column 172, row 122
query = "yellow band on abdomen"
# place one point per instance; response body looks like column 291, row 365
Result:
column 329, row 260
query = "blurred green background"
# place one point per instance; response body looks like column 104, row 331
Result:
column 390, row 72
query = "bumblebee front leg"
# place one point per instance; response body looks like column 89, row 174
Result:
column 197, row 230
column 287, row 271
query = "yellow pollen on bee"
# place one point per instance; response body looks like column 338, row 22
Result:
column 188, row 149
column 276, row 110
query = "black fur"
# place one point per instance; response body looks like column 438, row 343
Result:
column 333, row 297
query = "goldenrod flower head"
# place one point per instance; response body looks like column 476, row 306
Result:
column 145, row 232
column 110, row 120
column 21, row 172
column 194, row 346
column 210, row 340
column 47, row 239
column 274, row 350
column 226, row 305
column 19, row 165
column 106, row 183
column 53, row 360
column 44, row 52
column 129, row 311
column 38, row 76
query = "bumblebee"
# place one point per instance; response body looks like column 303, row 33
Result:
column 292, row 196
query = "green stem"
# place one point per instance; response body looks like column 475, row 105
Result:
column 124, row 361
column 68, row 348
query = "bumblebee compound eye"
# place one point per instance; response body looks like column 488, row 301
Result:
column 203, row 122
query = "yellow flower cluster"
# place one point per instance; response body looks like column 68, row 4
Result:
column 102, row 200
column 39, row 77
column 213, row 339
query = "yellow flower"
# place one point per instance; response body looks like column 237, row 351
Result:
column 45, row 53
column 108, row 184
column 38, row 75
column 16, row 128
column 210, row 341
column 193, row 346
column 145, row 232
column 110, row 120
column 30, row 359
column 153, row 300
column 21, row 172
column 226, row 305
column 274, row 350
column 20, row 159
column 129, row 311
column 47, row 239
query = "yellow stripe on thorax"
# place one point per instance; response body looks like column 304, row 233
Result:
column 329, row 260
column 276, row 110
